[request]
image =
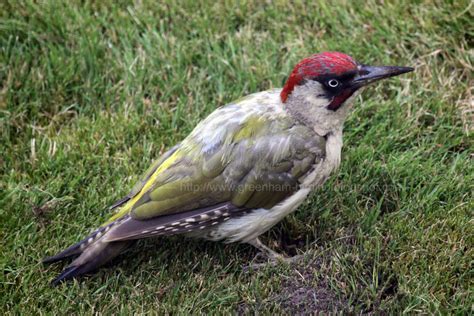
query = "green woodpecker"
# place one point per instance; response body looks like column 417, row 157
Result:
column 242, row 169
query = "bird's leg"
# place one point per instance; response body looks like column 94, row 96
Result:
column 269, row 253
column 274, row 256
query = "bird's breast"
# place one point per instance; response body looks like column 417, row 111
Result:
column 322, row 170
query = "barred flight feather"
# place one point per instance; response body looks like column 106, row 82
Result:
column 173, row 224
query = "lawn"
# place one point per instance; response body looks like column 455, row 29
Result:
column 91, row 93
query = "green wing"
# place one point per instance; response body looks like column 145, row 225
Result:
column 255, row 163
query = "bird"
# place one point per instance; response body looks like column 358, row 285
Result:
column 242, row 169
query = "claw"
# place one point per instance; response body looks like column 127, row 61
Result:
column 274, row 258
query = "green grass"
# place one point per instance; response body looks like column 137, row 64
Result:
column 91, row 93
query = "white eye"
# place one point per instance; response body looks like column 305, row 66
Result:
column 333, row 83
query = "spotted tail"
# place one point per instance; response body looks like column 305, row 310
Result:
column 91, row 253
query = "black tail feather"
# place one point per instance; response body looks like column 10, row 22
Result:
column 67, row 253
column 68, row 273
column 91, row 259
column 91, row 253
column 76, row 249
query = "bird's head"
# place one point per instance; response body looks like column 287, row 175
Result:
column 321, row 88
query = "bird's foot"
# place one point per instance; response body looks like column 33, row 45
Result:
column 272, row 263
column 274, row 258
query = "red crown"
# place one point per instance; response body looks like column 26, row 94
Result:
column 327, row 63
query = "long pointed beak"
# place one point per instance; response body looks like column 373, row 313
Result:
column 369, row 74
